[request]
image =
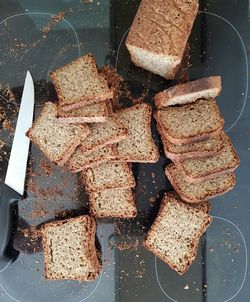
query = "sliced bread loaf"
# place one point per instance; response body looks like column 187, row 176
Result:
column 57, row 141
column 191, row 122
column 138, row 146
column 159, row 34
column 80, row 161
column 79, row 84
column 117, row 203
column 199, row 169
column 108, row 175
column 94, row 113
column 189, row 92
column 69, row 249
column 198, row 192
column 103, row 134
column 175, row 234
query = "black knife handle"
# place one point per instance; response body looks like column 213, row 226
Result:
column 9, row 196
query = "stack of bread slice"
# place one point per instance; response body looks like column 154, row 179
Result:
column 191, row 128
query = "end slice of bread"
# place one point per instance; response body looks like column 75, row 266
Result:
column 103, row 134
column 191, row 122
column 199, row 192
column 69, row 249
column 116, row 203
column 189, row 92
column 108, row 175
column 57, row 141
column 199, row 169
column 138, row 146
column 174, row 235
column 79, row 84
column 80, row 161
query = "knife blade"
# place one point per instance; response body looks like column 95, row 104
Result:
column 13, row 187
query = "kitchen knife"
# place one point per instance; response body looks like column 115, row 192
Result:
column 13, row 188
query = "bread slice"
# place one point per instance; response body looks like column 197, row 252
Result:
column 79, row 84
column 108, row 175
column 191, row 122
column 139, row 145
column 103, row 134
column 80, row 161
column 57, row 141
column 189, row 92
column 94, row 113
column 200, row 149
column 198, row 192
column 175, row 234
column 159, row 34
column 69, row 249
column 116, row 203
column 199, row 169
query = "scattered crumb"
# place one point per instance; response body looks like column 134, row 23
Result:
column 7, row 125
column 211, row 250
column 152, row 199
column 55, row 19
column 186, row 286
column 128, row 246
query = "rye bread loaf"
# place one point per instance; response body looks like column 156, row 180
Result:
column 116, row 203
column 199, row 169
column 139, row 145
column 80, row 161
column 57, row 141
column 69, row 249
column 108, row 175
column 79, row 84
column 159, row 34
column 174, row 235
column 189, row 92
column 191, row 122
column 199, row 192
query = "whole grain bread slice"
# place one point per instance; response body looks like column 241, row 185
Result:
column 69, row 249
column 116, row 203
column 189, row 92
column 79, row 84
column 191, row 122
column 198, row 192
column 57, row 141
column 103, row 134
column 174, row 235
column 108, row 175
column 199, row 169
column 80, row 161
column 200, row 149
column 138, row 146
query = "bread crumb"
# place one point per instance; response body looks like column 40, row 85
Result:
column 186, row 286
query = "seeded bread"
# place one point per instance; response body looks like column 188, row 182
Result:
column 159, row 34
column 57, row 141
column 199, row 169
column 69, row 249
column 94, row 113
column 103, row 134
column 189, row 92
column 117, row 203
column 139, row 145
column 79, row 84
column 175, row 234
column 198, row 192
column 191, row 122
column 108, row 175
column 200, row 149
column 80, row 161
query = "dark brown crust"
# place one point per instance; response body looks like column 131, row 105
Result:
column 195, row 200
column 91, row 247
column 184, row 155
column 155, row 150
column 213, row 83
column 83, row 100
column 196, row 238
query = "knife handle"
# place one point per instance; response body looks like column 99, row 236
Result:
column 9, row 196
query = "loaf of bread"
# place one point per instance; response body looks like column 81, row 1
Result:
column 159, row 34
